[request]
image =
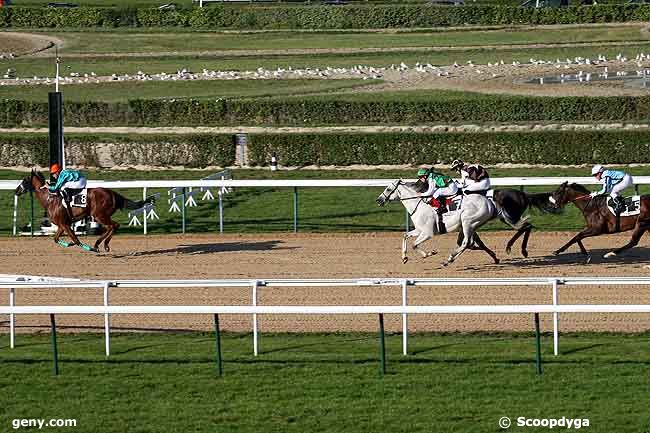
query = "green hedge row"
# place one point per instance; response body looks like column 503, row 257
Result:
column 548, row 147
column 317, row 16
column 192, row 150
column 331, row 111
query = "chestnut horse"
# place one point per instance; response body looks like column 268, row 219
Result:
column 101, row 205
column 599, row 218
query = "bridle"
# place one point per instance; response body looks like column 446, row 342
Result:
column 397, row 184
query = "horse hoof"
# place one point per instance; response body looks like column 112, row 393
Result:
column 524, row 253
column 556, row 253
column 508, row 250
column 610, row 255
column 445, row 264
column 107, row 248
column 433, row 253
column 497, row 261
column 588, row 260
column 405, row 260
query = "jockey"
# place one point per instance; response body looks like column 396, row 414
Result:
column 68, row 182
column 475, row 179
column 440, row 187
column 614, row 182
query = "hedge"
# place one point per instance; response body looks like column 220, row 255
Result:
column 191, row 150
column 353, row 16
column 331, row 111
column 546, row 147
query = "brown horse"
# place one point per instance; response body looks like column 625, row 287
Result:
column 101, row 205
column 599, row 219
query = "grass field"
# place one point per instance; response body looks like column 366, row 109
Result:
column 133, row 42
column 212, row 89
column 259, row 210
column 325, row 383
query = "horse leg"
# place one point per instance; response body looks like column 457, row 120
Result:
column 57, row 238
column 588, row 232
column 639, row 230
column 407, row 235
column 111, row 226
column 468, row 233
column 423, row 237
column 483, row 247
column 524, row 230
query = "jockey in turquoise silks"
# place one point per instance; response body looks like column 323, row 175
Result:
column 614, row 182
column 69, row 182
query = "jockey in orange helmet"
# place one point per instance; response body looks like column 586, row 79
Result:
column 69, row 182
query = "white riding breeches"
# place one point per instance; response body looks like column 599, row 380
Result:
column 626, row 182
column 448, row 191
column 77, row 184
column 481, row 185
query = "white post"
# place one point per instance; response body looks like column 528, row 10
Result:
column 255, row 336
column 221, row 207
column 556, row 339
column 107, row 322
column 144, row 211
column 12, row 323
column 405, row 331
column 15, row 214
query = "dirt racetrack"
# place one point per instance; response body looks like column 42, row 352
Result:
column 372, row 255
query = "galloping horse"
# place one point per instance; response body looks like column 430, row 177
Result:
column 476, row 211
column 599, row 219
column 512, row 204
column 101, row 205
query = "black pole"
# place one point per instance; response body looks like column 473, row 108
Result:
column 217, row 337
column 538, row 346
column 55, row 124
column 382, row 346
column 55, row 353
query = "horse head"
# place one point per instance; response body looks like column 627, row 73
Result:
column 30, row 183
column 390, row 193
column 567, row 193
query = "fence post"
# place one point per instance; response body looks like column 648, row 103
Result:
column 144, row 211
column 255, row 325
column 15, row 221
column 382, row 346
column 405, row 331
column 538, row 346
column 183, row 210
column 221, row 207
column 556, row 335
column 217, row 337
column 55, row 352
column 107, row 322
column 295, row 209
column 12, row 319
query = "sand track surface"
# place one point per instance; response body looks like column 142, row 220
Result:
column 322, row 256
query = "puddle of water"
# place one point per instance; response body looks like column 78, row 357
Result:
column 639, row 78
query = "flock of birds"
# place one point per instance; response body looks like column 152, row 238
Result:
column 493, row 69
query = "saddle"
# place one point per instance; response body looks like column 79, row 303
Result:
column 75, row 197
column 632, row 206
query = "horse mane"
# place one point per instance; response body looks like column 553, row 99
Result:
column 579, row 188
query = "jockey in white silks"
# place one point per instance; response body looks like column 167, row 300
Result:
column 614, row 182
column 474, row 178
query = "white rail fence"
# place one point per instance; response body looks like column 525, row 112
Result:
column 254, row 309
column 224, row 184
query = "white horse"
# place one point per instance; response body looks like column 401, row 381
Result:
column 475, row 211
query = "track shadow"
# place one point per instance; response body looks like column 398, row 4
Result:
column 223, row 247
column 582, row 349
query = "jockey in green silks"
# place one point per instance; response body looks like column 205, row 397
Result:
column 440, row 186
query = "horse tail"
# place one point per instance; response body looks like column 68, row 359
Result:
column 122, row 202
column 540, row 201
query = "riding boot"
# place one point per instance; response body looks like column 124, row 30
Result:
column 441, row 210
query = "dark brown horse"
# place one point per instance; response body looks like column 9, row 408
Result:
column 599, row 218
column 101, row 205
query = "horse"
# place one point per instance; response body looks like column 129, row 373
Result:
column 475, row 211
column 512, row 204
column 101, row 205
column 599, row 219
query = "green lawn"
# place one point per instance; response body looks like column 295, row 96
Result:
column 165, row 42
column 205, row 89
column 325, row 383
column 254, row 210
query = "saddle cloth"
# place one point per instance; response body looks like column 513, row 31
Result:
column 453, row 203
column 78, row 200
column 632, row 206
